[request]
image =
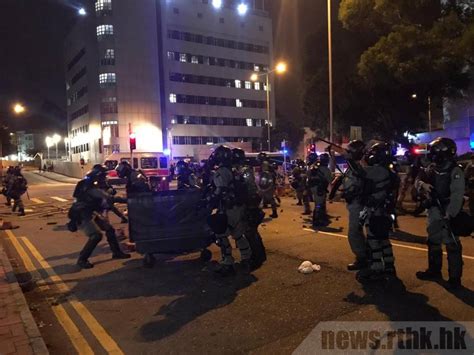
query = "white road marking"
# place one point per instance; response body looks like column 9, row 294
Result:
column 37, row 200
column 394, row 244
column 58, row 199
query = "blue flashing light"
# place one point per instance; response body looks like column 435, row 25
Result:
column 242, row 8
column 167, row 152
column 285, row 151
column 471, row 141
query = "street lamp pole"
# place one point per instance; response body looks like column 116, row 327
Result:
column 268, row 110
column 429, row 114
column 331, row 118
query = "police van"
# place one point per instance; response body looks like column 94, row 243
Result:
column 155, row 166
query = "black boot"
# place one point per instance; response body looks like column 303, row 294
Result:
column 117, row 253
column 225, row 270
column 21, row 212
column 86, row 252
column 358, row 264
column 274, row 214
column 455, row 264
column 435, row 263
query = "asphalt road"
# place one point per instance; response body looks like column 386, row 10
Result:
column 180, row 306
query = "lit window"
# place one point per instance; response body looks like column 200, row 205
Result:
column 242, row 8
column 249, row 122
column 238, row 84
column 170, row 55
column 101, row 5
column 173, row 98
column 109, row 53
column 107, row 79
column 104, row 30
column 182, row 58
column 109, row 99
column 258, row 123
column 238, row 103
column 256, row 68
column 257, row 85
column 248, row 85
column 194, row 60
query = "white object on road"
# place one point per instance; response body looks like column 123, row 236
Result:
column 307, row 267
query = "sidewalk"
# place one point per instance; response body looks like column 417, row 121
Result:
column 18, row 331
column 56, row 177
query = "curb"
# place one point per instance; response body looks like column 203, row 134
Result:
column 59, row 180
column 36, row 340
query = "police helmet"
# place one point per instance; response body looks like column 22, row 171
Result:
column 379, row 154
column 98, row 172
column 324, row 159
column 356, row 149
column 222, row 156
column 10, row 170
column 17, row 170
column 123, row 169
column 238, row 156
column 442, row 150
column 262, row 156
column 312, row 158
column 181, row 167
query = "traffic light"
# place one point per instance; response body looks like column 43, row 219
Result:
column 312, row 148
column 133, row 141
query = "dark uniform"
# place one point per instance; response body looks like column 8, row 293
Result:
column 469, row 175
column 319, row 178
column 6, row 180
column 230, row 219
column 353, row 186
column 375, row 216
column 86, row 213
column 186, row 178
column 267, row 186
column 136, row 181
column 445, row 185
column 17, row 186
column 297, row 183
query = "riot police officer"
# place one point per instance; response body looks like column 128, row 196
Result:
column 17, row 186
column 267, row 186
column 6, row 181
column 353, row 185
column 297, row 183
column 230, row 219
column 377, row 199
column 186, row 178
column 469, row 175
column 319, row 178
column 85, row 213
column 446, row 188
column 136, row 181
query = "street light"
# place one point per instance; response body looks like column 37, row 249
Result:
column 49, row 144
column 414, row 97
column 19, row 108
column 56, row 139
column 82, row 12
column 280, row 68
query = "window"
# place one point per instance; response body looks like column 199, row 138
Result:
column 104, row 30
column 238, row 84
column 101, row 5
column 163, row 162
column 78, row 75
column 257, row 85
column 249, row 122
column 76, row 59
column 149, row 163
column 238, row 103
column 109, row 99
column 256, row 68
column 78, row 113
column 170, row 55
column 194, row 60
column 109, row 53
column 183, row 58
column 248, row 85
column 108, row 107
column 107, row 79
column 173, row 99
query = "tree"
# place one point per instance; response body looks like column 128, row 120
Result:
column 384, row 51
column 287, row 128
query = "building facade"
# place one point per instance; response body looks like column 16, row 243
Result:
column 176, row 73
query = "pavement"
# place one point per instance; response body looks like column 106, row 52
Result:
column 181, row 306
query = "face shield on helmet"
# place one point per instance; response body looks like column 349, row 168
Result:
column 442, row 150
column 312, row 158
column 324, row 159
column 238, row 156
column 98, row 173
column 222, row 156
column 356, row 149
column 379, row 154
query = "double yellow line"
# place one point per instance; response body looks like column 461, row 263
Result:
column 77, row 339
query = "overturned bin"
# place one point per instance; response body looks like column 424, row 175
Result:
column 168, row 222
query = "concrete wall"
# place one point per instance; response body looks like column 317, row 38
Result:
column 71, row 169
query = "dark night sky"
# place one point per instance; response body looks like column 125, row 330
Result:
column 32, row 34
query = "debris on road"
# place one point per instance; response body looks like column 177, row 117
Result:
column 307, row 267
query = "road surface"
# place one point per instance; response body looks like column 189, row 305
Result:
column 180, row 306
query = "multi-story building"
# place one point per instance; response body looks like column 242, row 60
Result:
column 176, row 73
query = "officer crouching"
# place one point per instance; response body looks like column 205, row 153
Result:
column 86, row 213
column 445, row 186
